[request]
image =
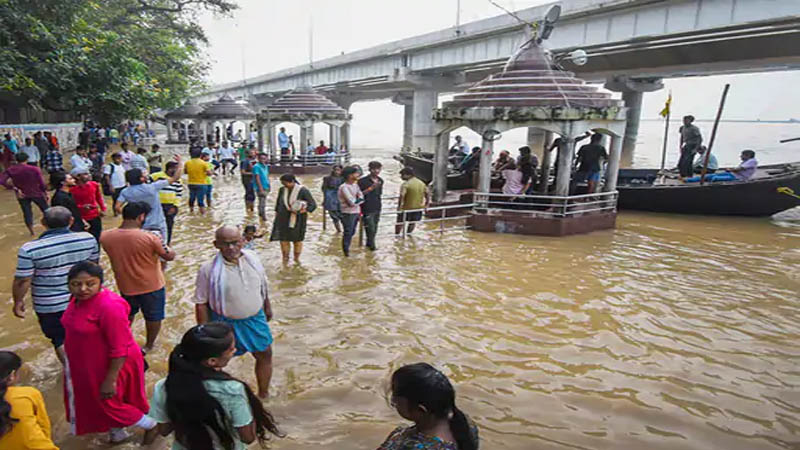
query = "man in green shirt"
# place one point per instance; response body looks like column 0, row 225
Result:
column 414, row 198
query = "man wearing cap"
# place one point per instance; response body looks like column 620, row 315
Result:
column 89, row 197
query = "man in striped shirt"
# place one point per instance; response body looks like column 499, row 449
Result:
column 169, row 196
column 42, row 267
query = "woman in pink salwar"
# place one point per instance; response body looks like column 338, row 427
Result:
column 104, row 388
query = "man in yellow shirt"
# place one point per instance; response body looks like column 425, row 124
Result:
column 414, row 197
column 169, row 196
column 199, row 172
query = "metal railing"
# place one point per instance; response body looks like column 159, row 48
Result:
column 310, row 160
column 547, row 205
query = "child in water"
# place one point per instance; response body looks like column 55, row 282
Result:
column 249, row 236
column 24, row 423
column 422, row 394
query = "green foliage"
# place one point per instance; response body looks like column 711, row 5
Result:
column 106, row 59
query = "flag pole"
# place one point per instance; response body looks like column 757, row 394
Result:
column 666, row 133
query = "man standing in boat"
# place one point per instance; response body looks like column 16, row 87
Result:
column 691, row 140
column 459, row 151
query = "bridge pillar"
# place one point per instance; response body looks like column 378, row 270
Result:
column 425, row 101
column 407, row 100
column 633, row 90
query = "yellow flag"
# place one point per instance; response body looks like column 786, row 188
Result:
column 665, row 112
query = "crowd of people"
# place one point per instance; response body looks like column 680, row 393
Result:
column 89, row 325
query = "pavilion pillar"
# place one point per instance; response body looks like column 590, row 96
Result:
column 537, row 139
column 345, row 136
column 303, row 139
column 198, row 125
column 260, row 136
column 169, row 129
column 424, row 135
column 440, row 166
column 485, row 170
column 547, row 161
column 273, row 147
column 566, row 152
column 612, row 169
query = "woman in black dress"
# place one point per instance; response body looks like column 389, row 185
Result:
column 61, row 182
column 291, row 216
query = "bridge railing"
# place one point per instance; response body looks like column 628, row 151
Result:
column 547, row 205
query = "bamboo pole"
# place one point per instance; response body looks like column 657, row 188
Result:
column 714, row 133
column 666, row 138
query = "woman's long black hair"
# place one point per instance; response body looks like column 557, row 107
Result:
column 9, row 363
column 422, row 384
column 191, row 409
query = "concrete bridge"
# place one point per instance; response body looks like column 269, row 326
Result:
column 632, row 45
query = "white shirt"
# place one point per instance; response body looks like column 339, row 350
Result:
column 101, row 133
column 463, row 147
column 79, row 161
column 227, row 153
column 253, row 136
column 245, row 289
column 117, row 178
column 32, row 151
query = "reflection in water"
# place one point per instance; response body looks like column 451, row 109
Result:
column 668, row 332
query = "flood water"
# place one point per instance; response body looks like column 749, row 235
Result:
column 669, row 332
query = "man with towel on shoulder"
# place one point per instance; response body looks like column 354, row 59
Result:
column 232, row 288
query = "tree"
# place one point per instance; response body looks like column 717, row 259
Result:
column 105, row 59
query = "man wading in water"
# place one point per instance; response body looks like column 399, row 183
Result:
column 232, row 288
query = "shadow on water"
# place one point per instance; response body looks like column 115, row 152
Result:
column 668, row 332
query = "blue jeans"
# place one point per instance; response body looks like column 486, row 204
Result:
column 371, row 227
column 208, row 194
column 349, row 223
column 197, row 193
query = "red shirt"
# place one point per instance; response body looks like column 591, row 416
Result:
column 321, row 150
column 26, row 178
column 89, row 198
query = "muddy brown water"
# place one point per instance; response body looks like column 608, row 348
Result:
column 670, row 332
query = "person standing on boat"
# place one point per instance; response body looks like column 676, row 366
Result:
column 459, row 151
column 691, row 140
column 700, row 161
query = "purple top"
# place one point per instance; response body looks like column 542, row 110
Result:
column 748, row 169
column 26, row 178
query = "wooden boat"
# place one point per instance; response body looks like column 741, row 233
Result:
column 422, row 163
column 643, row 189
column 423, row 168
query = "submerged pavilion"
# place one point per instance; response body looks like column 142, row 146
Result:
column 533, row 92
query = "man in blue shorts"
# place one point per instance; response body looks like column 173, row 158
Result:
column 589, row 162
column 135, row 257
column 232, row 288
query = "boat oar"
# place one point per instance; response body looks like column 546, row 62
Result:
column 783, row 141
column 788, row 191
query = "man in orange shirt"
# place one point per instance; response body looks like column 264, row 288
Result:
column 135, row 259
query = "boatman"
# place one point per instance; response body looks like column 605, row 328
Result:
column 460, row 146
column 691, row 140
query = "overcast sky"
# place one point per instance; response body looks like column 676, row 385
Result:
column 273, row 35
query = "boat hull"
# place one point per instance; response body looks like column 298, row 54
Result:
column 423, row 169
column 758, row 197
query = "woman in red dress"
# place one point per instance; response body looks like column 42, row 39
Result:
column 104, row 375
